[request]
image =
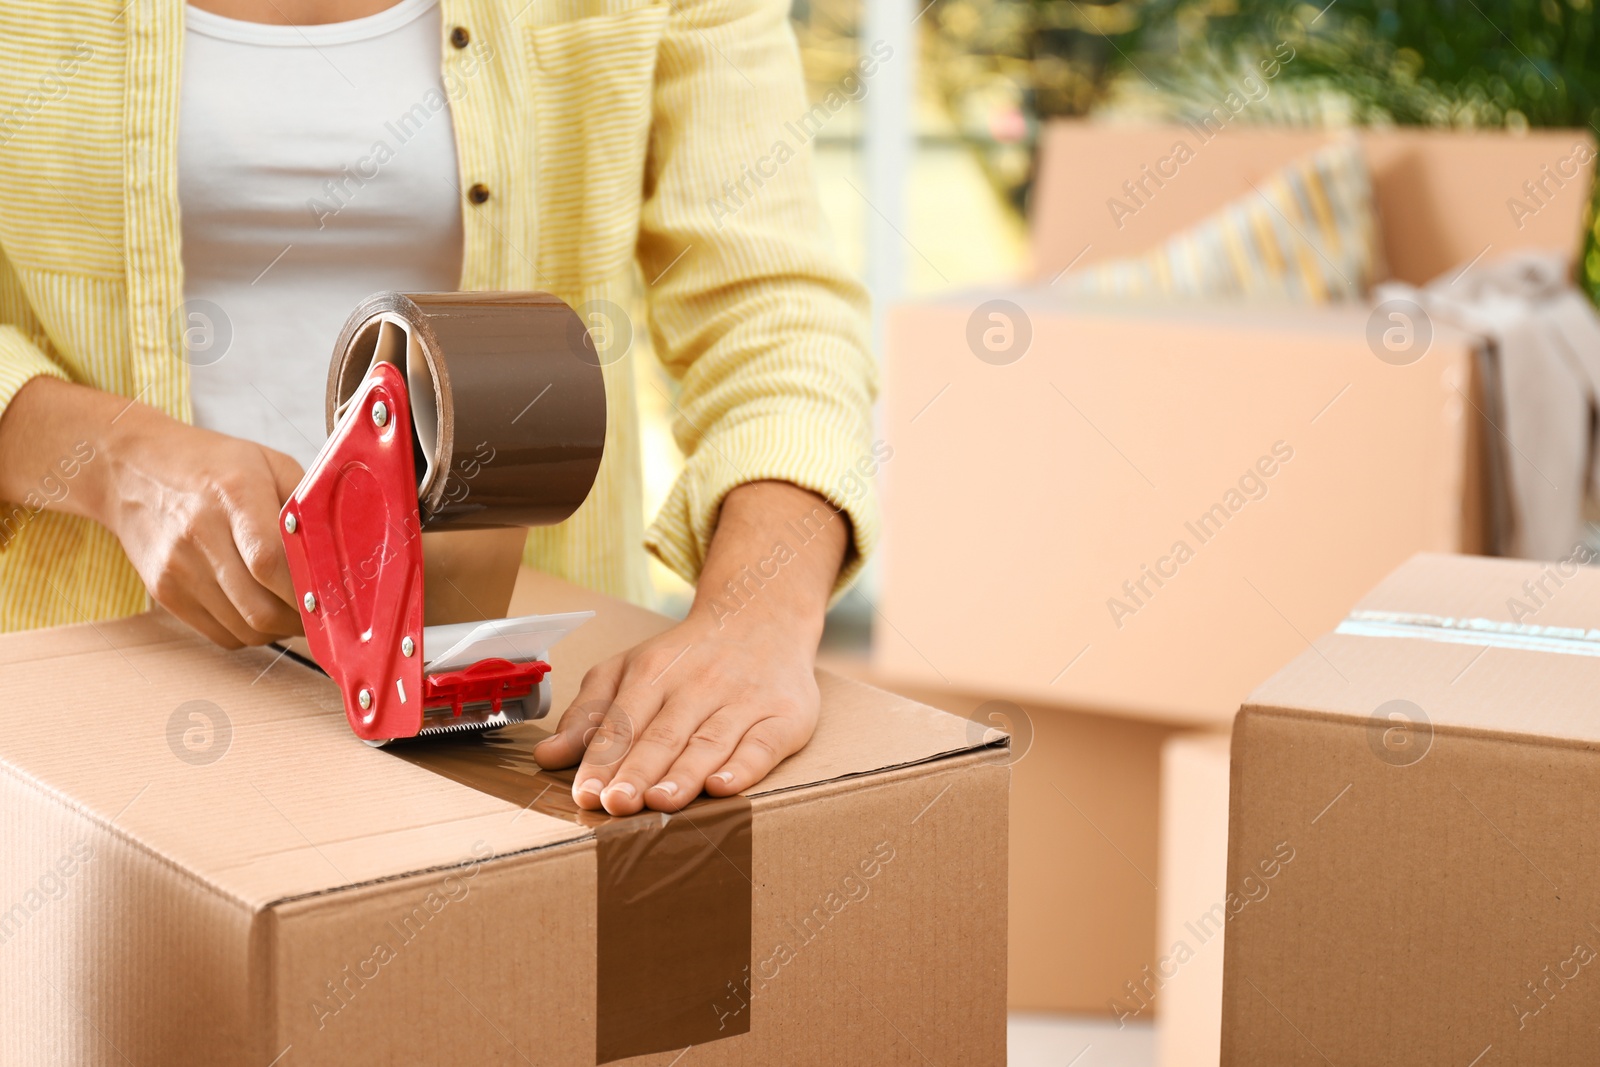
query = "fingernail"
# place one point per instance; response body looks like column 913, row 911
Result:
column 666, row 789
column 622, row 789
column 722, row 777
column 589, row 785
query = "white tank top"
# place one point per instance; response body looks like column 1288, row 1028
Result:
column 316, row 165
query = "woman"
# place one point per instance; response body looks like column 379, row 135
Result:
column 191, row 199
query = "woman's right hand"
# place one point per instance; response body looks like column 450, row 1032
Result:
column 197, row 513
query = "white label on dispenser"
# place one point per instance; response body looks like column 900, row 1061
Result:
column 527, row 637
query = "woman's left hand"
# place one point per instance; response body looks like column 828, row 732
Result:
column 715, row 702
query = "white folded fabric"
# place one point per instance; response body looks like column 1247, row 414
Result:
column 1544, row 339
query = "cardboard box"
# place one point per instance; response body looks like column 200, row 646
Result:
column 203, row 866
column 1149, row 513
column 1084, row 863
column 1152, row 416
column 1443, row 197
column 1083, row 847
column 1194, row 890
column 1412, row 829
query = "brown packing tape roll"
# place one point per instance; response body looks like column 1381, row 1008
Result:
column 507, row 400
column 674, row 897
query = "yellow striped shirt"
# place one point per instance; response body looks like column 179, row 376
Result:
column 620, row 140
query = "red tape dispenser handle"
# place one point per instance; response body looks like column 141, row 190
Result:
column 353, row 536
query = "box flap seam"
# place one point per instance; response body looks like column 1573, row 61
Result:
column 122, row 834
column 1453, row 729
column 498, row 857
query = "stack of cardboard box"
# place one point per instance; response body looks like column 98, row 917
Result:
column 1115, row 521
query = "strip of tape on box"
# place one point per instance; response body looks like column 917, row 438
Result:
column 1521, row 637
column 674, row 905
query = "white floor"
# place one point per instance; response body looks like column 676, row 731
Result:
column 1067, row 1041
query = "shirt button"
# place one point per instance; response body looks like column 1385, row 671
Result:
column 459, row 37
column 478, row 193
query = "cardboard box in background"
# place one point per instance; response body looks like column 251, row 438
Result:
column 1084, row 861
column 1193, row 900
column 1434, row 767
column 1033, row 511
column 204, row 866
column 1115, row 426
column 1025, row 496
column 1443, row 197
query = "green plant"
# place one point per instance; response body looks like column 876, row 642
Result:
column 1451, row 63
